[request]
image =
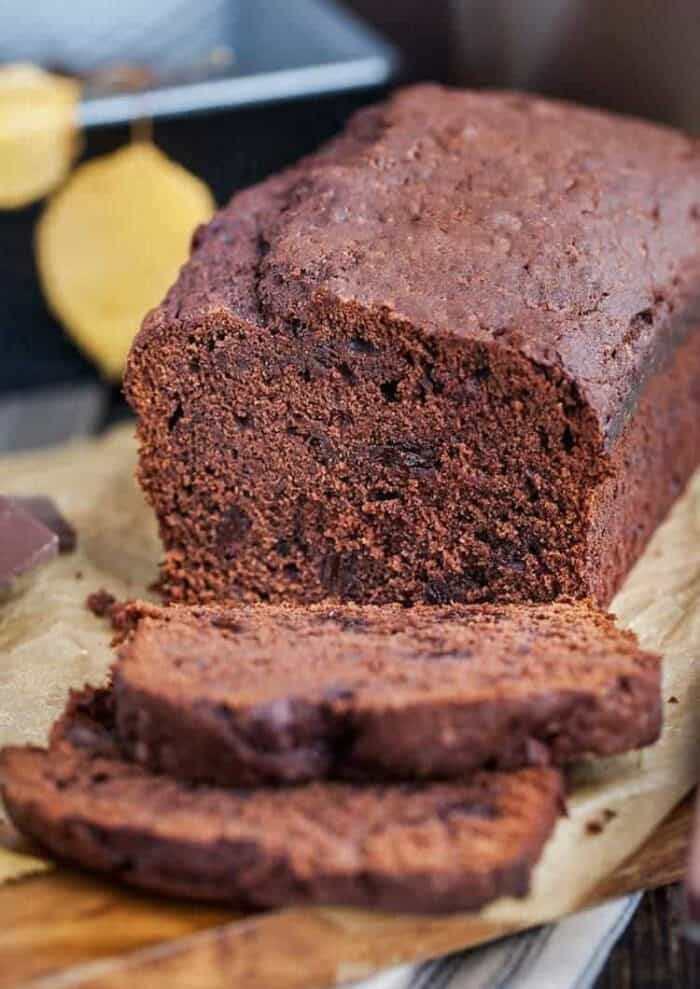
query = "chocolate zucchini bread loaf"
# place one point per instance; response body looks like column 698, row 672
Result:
column 452, row 356
column 265, row 693
column 432, row 847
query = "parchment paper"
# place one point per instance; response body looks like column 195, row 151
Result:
column 50, row 642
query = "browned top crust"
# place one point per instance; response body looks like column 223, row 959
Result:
column 568, row 234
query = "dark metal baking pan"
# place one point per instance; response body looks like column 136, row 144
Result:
column 170, row 57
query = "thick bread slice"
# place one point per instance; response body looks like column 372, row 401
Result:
column 276, row 694
column 419, row 848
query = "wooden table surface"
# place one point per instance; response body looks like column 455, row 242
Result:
column 650, row 955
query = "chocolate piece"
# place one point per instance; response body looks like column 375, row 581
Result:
column 268, row 694
column 25, row 543
column 453, row 355
column 44, row 509
column 426, row 848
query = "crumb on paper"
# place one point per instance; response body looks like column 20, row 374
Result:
column 125, row 616
column 100, row 603
column 596, row 825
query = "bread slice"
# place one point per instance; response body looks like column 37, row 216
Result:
column 267, row 694
column 419, row 848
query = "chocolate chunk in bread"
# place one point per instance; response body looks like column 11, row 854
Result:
column 265, row 694
column 409, row 847
column 452, row 356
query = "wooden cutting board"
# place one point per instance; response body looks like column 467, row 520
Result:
column 60, row 929
column 66, row 929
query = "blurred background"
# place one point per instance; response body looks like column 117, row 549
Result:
column 235, row 89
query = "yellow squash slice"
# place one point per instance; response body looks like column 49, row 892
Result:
column 110, row 243
column 38, row 132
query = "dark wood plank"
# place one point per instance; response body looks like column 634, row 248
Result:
column 652, row 953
